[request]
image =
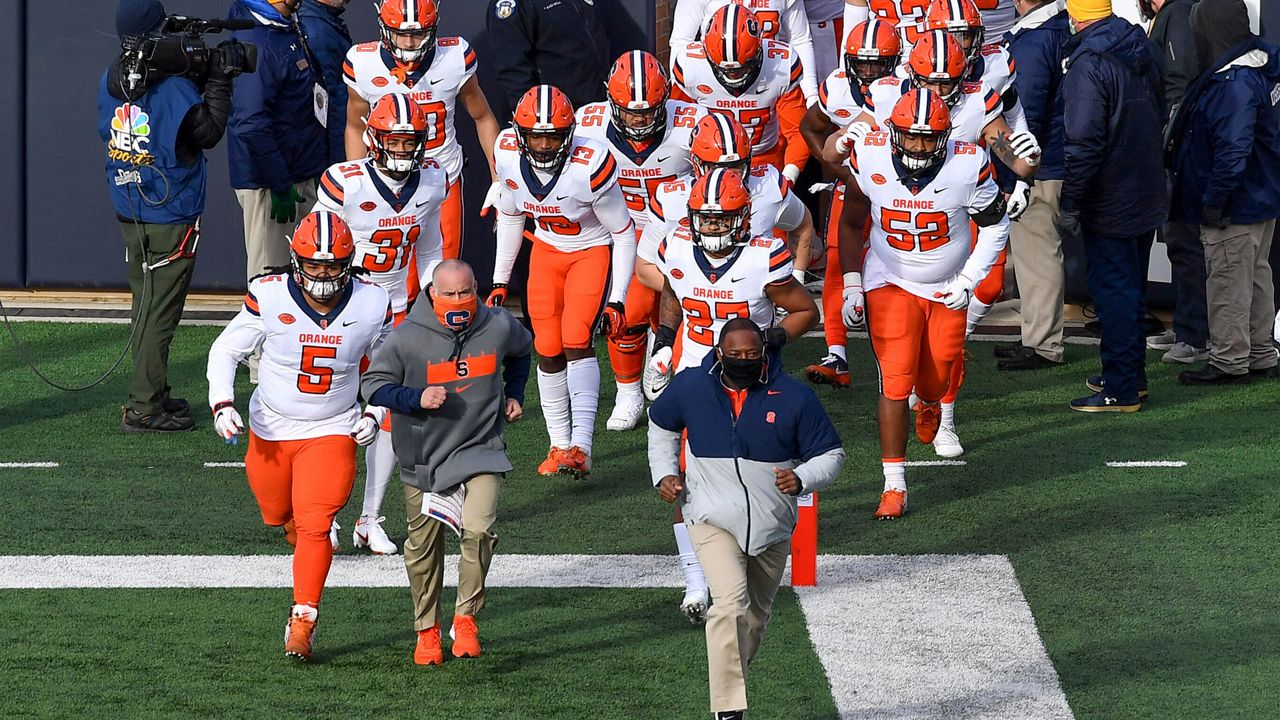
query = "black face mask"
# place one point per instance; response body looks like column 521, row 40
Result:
column 741, row 373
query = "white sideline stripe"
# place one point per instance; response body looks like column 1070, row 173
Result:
column 926, row 636
column 929, row 636
column 1147, row 463
column 28, row 464
column 224, row 464
column 934, row 463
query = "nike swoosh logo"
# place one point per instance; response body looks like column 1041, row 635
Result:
column 436, row 81
column 663, row 158
column 562, row 197
column 774, row 392
column 424, row 202
column 737, row 279
column 349, row 323
column 464, row 388
column 938, row 190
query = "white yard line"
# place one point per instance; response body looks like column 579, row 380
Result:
column 933, row 636
column 224, row 464
column 28, row 464
column 935, row 463
column 1147, row 463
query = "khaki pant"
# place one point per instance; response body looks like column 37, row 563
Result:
column 1240, row 293
column 165, row 298
column 424, row 551
column 742, row 592
column 266, row 242
column 1037, row 264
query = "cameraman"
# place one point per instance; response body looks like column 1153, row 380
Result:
column 157, row 127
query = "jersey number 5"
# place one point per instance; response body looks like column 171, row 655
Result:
column 316, row 379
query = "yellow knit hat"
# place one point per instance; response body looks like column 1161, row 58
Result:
column 1082, row 10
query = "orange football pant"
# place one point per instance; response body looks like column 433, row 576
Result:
column 987, row 292
column 307, row 481
column 626, row 355
column 565, row 295
column 916, row 342
column 451, row 221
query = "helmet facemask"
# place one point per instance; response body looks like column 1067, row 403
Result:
column 549, row 161
column 717, row 231
column 658, row 120
column 425, row 38
column 944, row 86
column 918, row 160
column 868, row 68
column 738, row 76
column 319, row 287
column 397, row 163
column 971, row 35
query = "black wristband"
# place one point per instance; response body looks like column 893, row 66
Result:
column 664, row 337
column 775, row 337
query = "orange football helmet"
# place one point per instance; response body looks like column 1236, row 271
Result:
column 544, row 112
column 322, row 238
column 871, row 51
column 720, row 211
column 918, row 129
column 638, row 86
column 937, row 62
column 962, row 19
column 395, row 115
column 720, row 141
column 411, row 20
column 733, row 46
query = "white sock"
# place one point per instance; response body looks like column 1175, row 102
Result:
column 305, row 611
column 379, row 463
column 977, row 311
column 838, row 351
column 553, row 392
column 584, row 394
column 689, row 565
column 630, row 392
column 895, row 475
column 949, row 414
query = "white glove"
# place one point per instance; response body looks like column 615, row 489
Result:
column 821, row 187
column 790, row 172
column 227, row 423
column 1019, row 199
column 1024, row 145
column 491, row 198
column 365, row 431
column 852, row 136
column 657, row 373
column 957, row 293
column 853, row 306
column 1276, row 331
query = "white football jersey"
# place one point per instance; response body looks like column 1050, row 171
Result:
column 906, row 15
column 640, row 173
column 998, row 18
column 388, row 226
column 754, row 107
column 773, row 207
column 836, row 99
column 309, row 373
column 995, row 66
column 976, row 108
column 372, row 72
column 783, row 20
column 563, row 207
column 714, row 291
column 921, row 240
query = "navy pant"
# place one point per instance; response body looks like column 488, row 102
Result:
column 1191, row 310
column 1116, row 270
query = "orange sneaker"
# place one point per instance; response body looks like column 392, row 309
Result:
column 291, row 533
column 428, row 651
column 928, row 418
column 892, row 504
column 466, row 637
column 551, row 466
column 833, row 370
column 575, row 462
column 300, row 632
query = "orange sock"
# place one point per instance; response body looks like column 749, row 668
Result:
column 627, row 357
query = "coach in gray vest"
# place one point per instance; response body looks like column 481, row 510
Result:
column 453, row 374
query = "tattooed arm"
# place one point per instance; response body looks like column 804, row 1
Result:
column 996, row 135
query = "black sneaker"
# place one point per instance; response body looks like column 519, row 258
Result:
column 1101, row 402
column 177, row 406
column 1096, row 384
column 731, row 715
column 1004, row 351
column 1025, row 359
column 1212, row 375
column 159, row 422
column 1265, row 373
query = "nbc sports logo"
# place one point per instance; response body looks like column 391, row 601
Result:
column 130, row 129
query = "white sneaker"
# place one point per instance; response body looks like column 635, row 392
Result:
column 946, row 443
column 1162, row 341
column 627, row 410
column 1186, row 354
column 333, row 535
column 369, row 533
column 695, row 604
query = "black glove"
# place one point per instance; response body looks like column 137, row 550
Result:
column 663, row 337
column 775, row 337
column 233, row 57
column 1068, row 225
column 1212, row 217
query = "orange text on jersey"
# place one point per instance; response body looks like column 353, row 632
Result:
column 315, row 338
column 545, row 209
column 640, row 172
column 732, row 104
column 713, row 294
column 397, row 221
column 907, row 204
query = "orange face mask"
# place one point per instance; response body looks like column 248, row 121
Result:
column 455, row 314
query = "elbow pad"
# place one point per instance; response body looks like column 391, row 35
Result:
column 993, row 213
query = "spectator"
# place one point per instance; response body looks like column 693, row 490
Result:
column 276, row 146
column 558, row 43
column 1226, row 162
column 756, row 439
column 1113, row 187
column 1035, row 44
column 451, row 446
column 1171, row 33
column 328, row 40
column 157, row 127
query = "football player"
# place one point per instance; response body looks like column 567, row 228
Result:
column 650, row 136
column 435, row 72
column 735, row 72
column 392, row 201
column 990, row 63
column 905, row 15
column 872, row 51
column 581, row 265
column 716, row 268
column 314, row 326
column 924, row 190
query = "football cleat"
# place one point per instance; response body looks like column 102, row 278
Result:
column 575, row 462
column 465, row 636
column 291, row 533
column 893, row 503
column 369, row 533
column 627, row 411
column 551, row 466
column 695, row 604
column 428, row 651
column 333, row 535
column 947, row 443
column 928, row 418
column 300, row 632
column 833, row 370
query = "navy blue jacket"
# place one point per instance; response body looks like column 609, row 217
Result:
column 273, row 137
column 1114, row 111
column 329, row 40
column 1036, row 46
column 1226, row 152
